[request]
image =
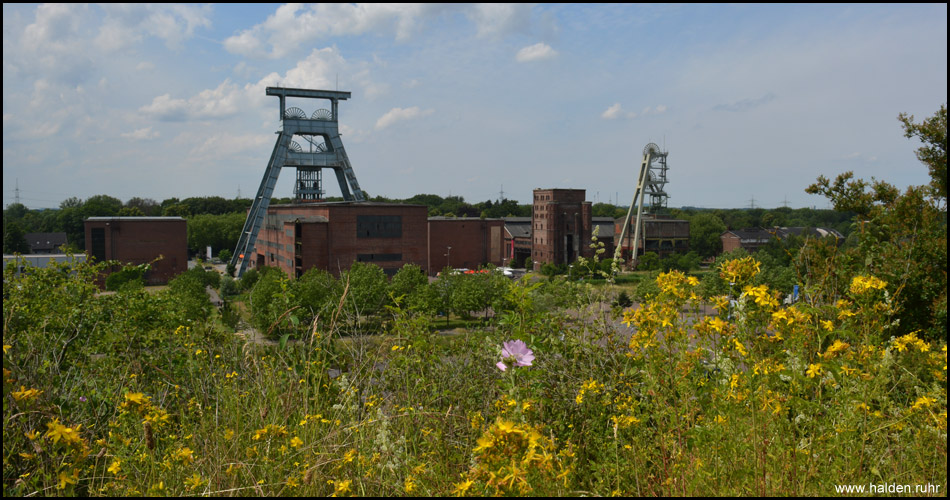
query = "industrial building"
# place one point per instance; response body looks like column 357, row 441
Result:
column 332, row 236
column 751, row 239
column 561, row 226
column 660, row 235
column 517, row 240
column 465, row 242
column 140, row 240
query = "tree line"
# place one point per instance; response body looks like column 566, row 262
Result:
column 216, row 221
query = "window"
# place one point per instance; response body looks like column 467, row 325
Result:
column 378, row 226
column 378, row 257
column 99, row 243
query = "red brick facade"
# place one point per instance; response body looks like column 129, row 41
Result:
column 332, row 236
column 465, row 243
column 561, row 226
column 138, row 240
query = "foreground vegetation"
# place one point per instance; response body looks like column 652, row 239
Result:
column 152, row 393
column 146, row 393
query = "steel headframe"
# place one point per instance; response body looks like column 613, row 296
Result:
column 329, row 153
column 650, row 180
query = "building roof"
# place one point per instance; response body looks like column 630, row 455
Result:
column 344, row 203
column 45, row 241
column 134, row 218
column 758, row 233
column 518, row 227
column 469, row 219
column 606, row 225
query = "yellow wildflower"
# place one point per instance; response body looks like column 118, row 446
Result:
column 115, row 467
column 194, row 482
column 65, row 479
column 59, row 431
column 184, row 454
column 922, row 402
column 813, row 370
column 462, row 488
column 341, row 487
column 25, row 393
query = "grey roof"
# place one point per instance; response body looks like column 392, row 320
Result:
column 442, row 217
column 758, row 233
column 518, row 227
column 606, row 225
column 135, row 218
column 45, row 241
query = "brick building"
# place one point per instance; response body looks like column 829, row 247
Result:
column 465, row 242
column 754, row 238
column 332, row 236
column 660, row 235
column 518, row 240
column 561, row 226
column 140, row 240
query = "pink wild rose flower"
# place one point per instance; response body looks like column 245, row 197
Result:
column 515, row 352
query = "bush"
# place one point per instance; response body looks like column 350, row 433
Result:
column 128, row 275
column 623, row 300
column 249, row 279
column 229, row 287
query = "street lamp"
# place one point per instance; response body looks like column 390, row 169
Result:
column 448, row 257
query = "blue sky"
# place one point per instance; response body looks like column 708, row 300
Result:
column 751, row 101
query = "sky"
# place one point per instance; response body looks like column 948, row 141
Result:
column 752, row 102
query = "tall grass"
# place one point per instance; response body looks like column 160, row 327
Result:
column 145, row 394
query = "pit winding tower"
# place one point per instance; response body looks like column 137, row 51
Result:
column 650, row 181
column 324, row 149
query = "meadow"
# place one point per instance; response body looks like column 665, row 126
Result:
column 152, row 393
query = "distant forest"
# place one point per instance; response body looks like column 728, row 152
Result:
column 215, row 221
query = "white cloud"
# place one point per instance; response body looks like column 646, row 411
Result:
column 399, row 114
column 497, row 19
column 317, row 71
column 221, row 102
column 537, row 52
column 166, row 108
column 125, row 24
column 616, row 111
column 292, row 25
column 141, row 134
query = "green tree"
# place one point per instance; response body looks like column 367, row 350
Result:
column 217, row 231
column 406, row 280
column 900, row 238
column 649, row 261
column 131, row 212
column 14, row 240
column 705, row 230
column 367, row 289
column 933, row 133
column 147, row 206
column 101, row 205
column 317, row 293
column 177, row 210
